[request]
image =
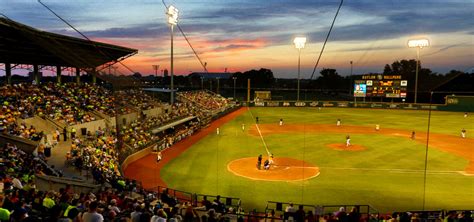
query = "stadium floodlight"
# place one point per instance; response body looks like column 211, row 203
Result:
column 299, row 44
column 418, row 44
column 172, row 13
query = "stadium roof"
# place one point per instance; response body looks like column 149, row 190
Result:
column 21, row 44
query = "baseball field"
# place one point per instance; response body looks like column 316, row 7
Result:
column 312, row 165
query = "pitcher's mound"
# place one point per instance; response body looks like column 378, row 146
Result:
column 283, row 169
column 341, row 146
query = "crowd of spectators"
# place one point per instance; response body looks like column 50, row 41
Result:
column 21, row 204
column 20, row 200
column 136, row 98
column 138, row 133
column 19, row 168
column 97, row 153
column 206, row 100
column 15, row 106
column 69, row 103
column 23, row 131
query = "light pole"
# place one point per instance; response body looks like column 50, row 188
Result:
column 352, row 84
column 418, row 44
column 234, row 78
column 202, row 83
column 299, row 44
column 217, row 85
column 156, row 67
column 172, row 14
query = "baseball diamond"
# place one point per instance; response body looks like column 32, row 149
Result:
column 317, row 161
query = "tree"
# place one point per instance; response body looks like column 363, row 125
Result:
column 261, row 78
column 330, row 79
column 387, row 70
column 137, row 75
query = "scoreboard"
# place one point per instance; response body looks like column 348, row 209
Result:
column 378, row 85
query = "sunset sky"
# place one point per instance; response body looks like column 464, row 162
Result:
column 250, row 34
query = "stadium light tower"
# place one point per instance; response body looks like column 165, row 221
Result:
column 172, row 13
column 418, row 44
column 299, row 44
column 156, row 67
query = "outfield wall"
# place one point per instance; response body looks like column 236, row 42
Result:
column 459, row 103
column 453, row 103
column 345, row 104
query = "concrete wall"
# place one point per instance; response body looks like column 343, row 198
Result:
column 130, row 117
column 153, row 112
column 47, row 183
column 134, row 157
column 28, row 146
column 90, row 126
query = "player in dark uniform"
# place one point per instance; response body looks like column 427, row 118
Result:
column 259, row 161
column 266, row 164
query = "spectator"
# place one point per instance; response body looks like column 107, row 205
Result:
column 92, row 215
column 341, row 215
column 289, row 212
column 354, row 215
column 300, row 214
column 135, row 215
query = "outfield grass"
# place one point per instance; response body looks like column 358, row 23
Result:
column 362, row 177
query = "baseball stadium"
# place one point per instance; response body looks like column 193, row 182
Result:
column 90, row 133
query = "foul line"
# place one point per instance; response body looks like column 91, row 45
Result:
column 395, row 170
column 260, row 133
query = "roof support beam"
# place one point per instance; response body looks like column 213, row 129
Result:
column 78, row 75
column 58, row 74
column 8, row 72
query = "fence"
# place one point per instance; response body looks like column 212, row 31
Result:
column 229, row 201
column 181, row 196
column 365, row 211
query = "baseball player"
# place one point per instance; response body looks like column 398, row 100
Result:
column 281, row 122
column 271, row 159
column 413, row 135
column 243, row 126
column 338, row 123
column 259, row 161
column 159, row 156
column 348, row 141
column 217, row 131
column 377, row 127
column 465, row 115
column 463, row 133
column 266, row 164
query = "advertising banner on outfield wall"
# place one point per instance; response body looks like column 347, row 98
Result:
column 344, row 104
column 273, row 104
